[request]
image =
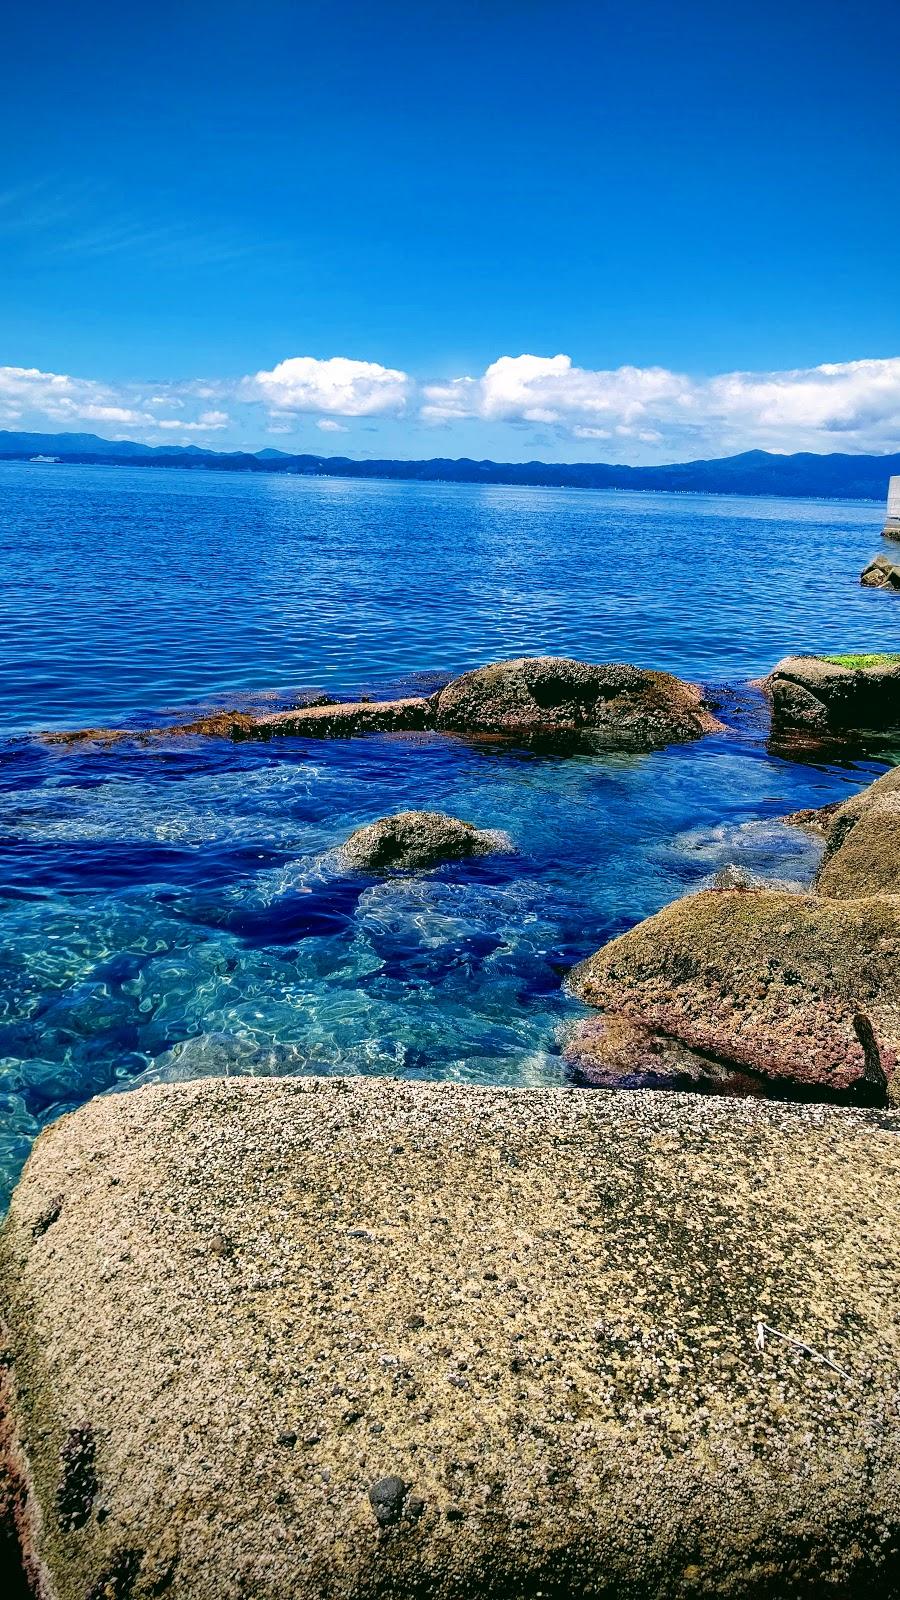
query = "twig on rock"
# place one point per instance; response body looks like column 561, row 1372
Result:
column 762, row 1328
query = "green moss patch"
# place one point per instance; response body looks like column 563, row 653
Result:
column 861, row 662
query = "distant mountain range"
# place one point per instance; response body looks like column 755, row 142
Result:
column 757, row 472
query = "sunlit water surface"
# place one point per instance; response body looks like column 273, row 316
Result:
column 177, row 909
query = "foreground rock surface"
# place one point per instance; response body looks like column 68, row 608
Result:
column 416, row 839
column 548, row 696
column 796, row 988
column 300, row 1339
column 881, row 573
column 823, row 699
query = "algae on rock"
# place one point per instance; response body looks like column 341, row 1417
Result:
column 410, row 839
column 802, row 990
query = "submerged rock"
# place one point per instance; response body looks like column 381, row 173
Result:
column 792, row 987
column 822, row 698
column 221, row 1055
column 881, row 573
column 546, row 696
column 365, row 1338
column 416, row 839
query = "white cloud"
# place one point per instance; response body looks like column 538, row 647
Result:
column 207, row 422
column 61, row 398
column 859, row 399
column 853, row 405
column 549, row 389
column 338, row 386
column 55, row 398
column 626, row 413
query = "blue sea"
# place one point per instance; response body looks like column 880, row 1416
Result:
column 176, row 909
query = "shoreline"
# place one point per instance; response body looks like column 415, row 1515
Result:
column 360, row 475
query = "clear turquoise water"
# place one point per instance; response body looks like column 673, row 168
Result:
column 176, row 910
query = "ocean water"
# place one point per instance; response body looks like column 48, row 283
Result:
column 177, row 909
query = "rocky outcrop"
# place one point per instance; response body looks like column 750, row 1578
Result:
column 352, row 1339
column 531, row 698
column 611, row 1052
column 862, row 849
column 822, row 699
column 802, row 991
column 416, row 839
column 551, row 696
column 326, row 719
column 881, row 573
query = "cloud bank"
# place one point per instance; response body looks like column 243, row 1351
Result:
column 853, row 405
column 517, row 405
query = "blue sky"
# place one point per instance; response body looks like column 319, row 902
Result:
column 513, row 228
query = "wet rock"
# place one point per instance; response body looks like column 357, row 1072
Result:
column 547, row 696
column 735, row 877
column 416, row 839
column 346, row 719
column 816, row 819
column 611, row 1052
column 534, row 697
column 881, row 573
column 325, row 719
column 821, row 699
column 637, row 1242
column 767, row 982
column 220, row 1055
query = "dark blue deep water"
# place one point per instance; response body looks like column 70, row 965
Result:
column 176, row 910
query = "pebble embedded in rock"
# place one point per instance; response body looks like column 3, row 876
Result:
column 386, row 1498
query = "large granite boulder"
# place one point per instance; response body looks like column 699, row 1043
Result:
column 824, row 698
column 802, row 991
column 321, row 1340
column 551, row 696
column 881, row 573
column 416, row 839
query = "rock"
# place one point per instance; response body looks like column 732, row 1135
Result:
column 732, row 876
column 325, row 719
column 387, row 1498
column 346, row 720
column 610, row 1052
column 534, row 697
column 416, row 839
column 220, row 1055
column 823, row 699
column 862, row 852
column 816, row 819
column 551, row 696
column 881, row 573
column 596, row 1267
column 797, row 989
